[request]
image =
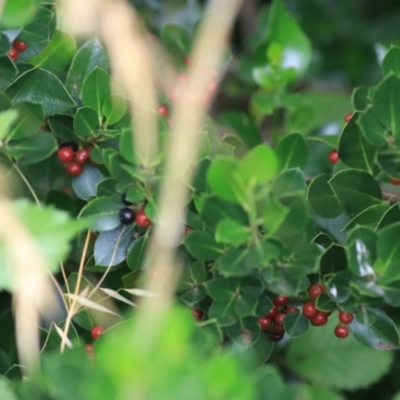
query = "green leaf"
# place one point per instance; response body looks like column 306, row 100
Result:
column 246, row 331
column 370, row 217
column 176, row 39
column 136, row 252
column 57, row 55
column 6, row 391
column 362, row 251
column 391, row 62
column 338, row 286
column 104, row 212
column 17, row 13
column 309, row 357
column 388, row 247
column 359, row 98
column 356, row 190
column 308, row 392
column 324, row 303
column 354, row 150
column 371, row 128
column 201, row 245
column 220, row 178
column 7, row 118
column 85, row 185
column 242, row 125
column 386, row 103
column 96, row 89
column 111, row 247
column 373, row 328
column 35, row 148
column 86, row 122
column 30, row 119
column 223, row 313
column 232, row 232
column 322, row 198
column 292, row 151
column 50, row 228
column 40, row 86
column 194, row 274
column 89, row 55
column 62, row 127
column 284, row 30
column 114, row 108
column 390, row 216
column 8, row 71
column 295, row 324
column 258, row 166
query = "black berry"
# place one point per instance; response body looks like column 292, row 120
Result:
column 125, row 201
column 126, row 216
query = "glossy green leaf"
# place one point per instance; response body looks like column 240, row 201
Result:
column 114, row 108
column 18, row 12
column 391, row 62
column 386, row 101
column 388, row 160
column 96, row 89
column 136, row 253
column 356, row 190
column 86, row 122
column 62, row 127
column 35, row 148
column 372, row 129
column 7, row 118
column 246, row 331
column 85, row 185
column 221, row 179
column 104, row 212
column 391, row 215
column 223, row 313
column 176, row 39
column 258, row 166
column 362, row 251
column 111, row 247
column 322, row 198
column 292, row 151
column 333, row 260
column 359, row 366
column 202, row 245
column 295, row 324
column 6, row 391
column 30, row 119
column 289, row 182
column 194, row 274
column 324, row 303
column 232, row 232
column 40, row 86
column 370, row 217
column 354, row 150
column 57, row 55
column 8, row 71
column 89, row 55
column 338, row 287
column 284, row 30
column 242, row 125
column 388, row 247
column 373, row 328
column 359, row 98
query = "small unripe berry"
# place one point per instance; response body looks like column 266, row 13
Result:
column 265, row 323
column 280, row 301
column 96, row 331
column 333, row 156
column 345, row 318
column 342, row 331
column 65, row 154
column 315, row 290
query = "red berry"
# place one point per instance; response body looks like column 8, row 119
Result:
column 278, row 329
column 273, row 313
column 315, row 290
column 279, row 318
column 187, row 61
column 280, row 301
column 65, row 154
column 309, row 309
column 163, row 110
column 13, row 54
column 188, row 230
column 275, row 337
column 395, row 181
column 19, row 46
column 291, row 310
column 82, row 156
column 347, row 117
column 333, row 156
column 345, row 318
column 89, row 348
column 142, row 220
column 74, row 169
column 319, row 319
column 342, row 331
column 96, row 331
column 264, row 323
column 198, row 314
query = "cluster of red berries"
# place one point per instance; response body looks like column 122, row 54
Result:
column 273, row 321
column 95, row 332
column 127, row 215
column 17, row 47
column 73, row 160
